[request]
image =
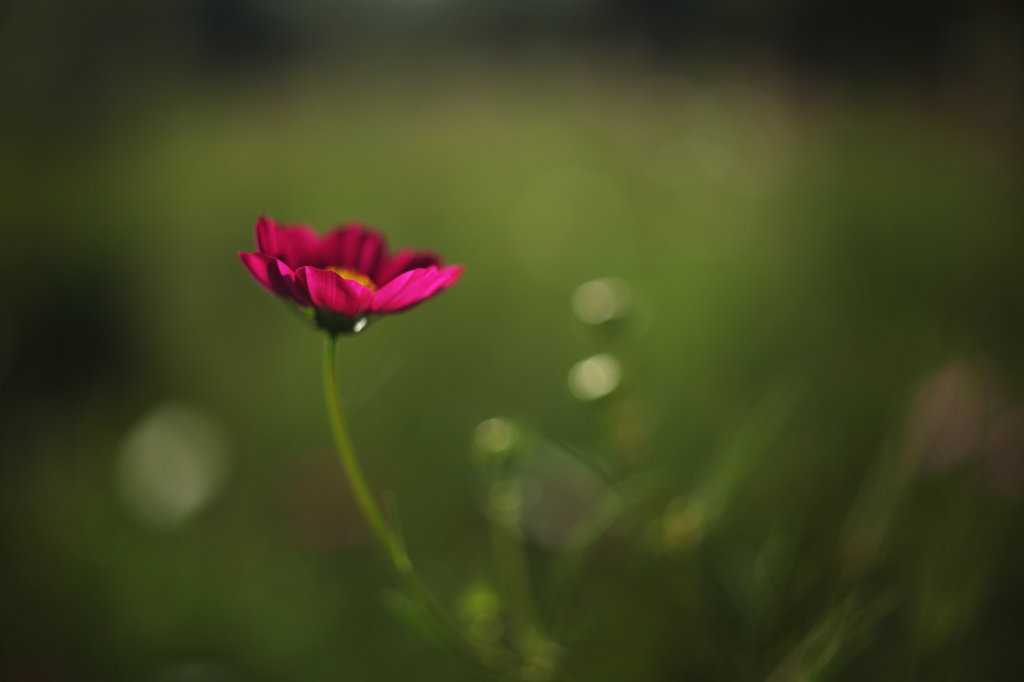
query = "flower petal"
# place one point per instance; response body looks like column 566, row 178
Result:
column 355, row 247
column 296, row 245
column 331, row 291
column 274, row 275
column 405, row 260
column 414, row 286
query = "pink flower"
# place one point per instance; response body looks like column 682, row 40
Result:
column 346, row 275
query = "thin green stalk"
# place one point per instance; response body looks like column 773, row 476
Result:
column 349, row 462
column 514, row 580
column 389, row 541
column 539, row 655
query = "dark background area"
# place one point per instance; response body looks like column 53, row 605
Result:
column 806, row 364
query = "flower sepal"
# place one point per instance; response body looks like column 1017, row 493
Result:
column 336, row 323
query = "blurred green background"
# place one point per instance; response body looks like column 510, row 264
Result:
column 758, row 264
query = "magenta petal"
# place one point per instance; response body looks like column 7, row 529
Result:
column 414, row 286
column 355, row 247
column 405, row 260
column 296, row 245
column 274, row 275
column 331, row 291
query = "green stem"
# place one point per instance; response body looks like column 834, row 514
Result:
column 514, row 580
column 386, row 537
column 513, row 576
column 347, row 456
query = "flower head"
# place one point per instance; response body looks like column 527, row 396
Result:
column 346, row 275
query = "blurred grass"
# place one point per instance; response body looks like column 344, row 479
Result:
column 854, row 242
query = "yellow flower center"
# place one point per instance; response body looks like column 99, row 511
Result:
column 354, row 276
